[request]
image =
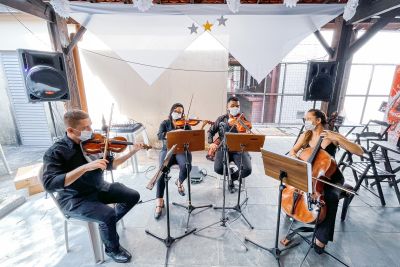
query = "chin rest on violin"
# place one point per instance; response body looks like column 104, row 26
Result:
column 116, row 144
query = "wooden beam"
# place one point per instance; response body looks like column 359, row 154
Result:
column 34, row 7
column 369, row 8
column 343, row 37
column 324, row 44
column 76, row 38
column 58, row 32
column 79, row 74
column 376, row 27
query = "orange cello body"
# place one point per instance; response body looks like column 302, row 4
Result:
column 294, row 201
column 97, row 144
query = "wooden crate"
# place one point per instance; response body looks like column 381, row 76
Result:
column 27, row 177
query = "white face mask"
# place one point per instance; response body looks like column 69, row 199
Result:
column 85, row 135
column 176, row 115
column 234, row 111
column 308, row 126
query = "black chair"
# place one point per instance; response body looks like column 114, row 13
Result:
column 366, row 169
column 366, row 135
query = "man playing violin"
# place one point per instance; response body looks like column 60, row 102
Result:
column 82, row 191
column 230, row 123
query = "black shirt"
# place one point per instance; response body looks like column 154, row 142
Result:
column 165, row 127
column 62, row 157
column 215, row 128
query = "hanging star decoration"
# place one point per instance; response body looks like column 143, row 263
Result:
column 221, row 21
column 207, row 26
column 193, row 28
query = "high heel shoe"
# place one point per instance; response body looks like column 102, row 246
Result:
column 157, row 215
column 181, row 189
column 319, row 250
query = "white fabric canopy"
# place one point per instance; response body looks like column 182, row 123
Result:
column 258, row 36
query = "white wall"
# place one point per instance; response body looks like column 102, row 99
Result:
column 15, row 35
column 108, row 80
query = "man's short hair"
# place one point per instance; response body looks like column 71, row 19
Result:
column 232, row 98
column 72, row 117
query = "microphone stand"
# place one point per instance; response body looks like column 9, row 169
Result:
column 224, row 218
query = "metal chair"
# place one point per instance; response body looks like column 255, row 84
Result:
column 92, row 228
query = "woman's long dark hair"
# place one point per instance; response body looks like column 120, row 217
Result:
column 319, row 115
column 174, row 106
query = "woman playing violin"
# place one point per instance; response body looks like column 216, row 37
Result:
column 315, row 122
column 175, row 122
column 230, row 122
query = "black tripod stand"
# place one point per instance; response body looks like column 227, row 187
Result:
column 276, row 251
column 238, row 206
column 169, row 240
column 224, row 218
column 190, row 208
column 312, row 242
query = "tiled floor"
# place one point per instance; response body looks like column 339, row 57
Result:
column 33, row 235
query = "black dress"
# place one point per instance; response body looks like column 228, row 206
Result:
column 325, row 229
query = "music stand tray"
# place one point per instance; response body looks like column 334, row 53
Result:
column 251, row 142
column 185, row 142
column 193, row 139
column 288, row 171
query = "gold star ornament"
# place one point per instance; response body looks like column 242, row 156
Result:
column 207, row 26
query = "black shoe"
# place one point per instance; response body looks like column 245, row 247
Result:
column 120, row 255
column 124, row 250
column 181, row 190
column 319, row 250
column 157, row 215
column 231, row 187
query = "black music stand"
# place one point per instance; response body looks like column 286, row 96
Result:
column 162, row 173
column 224, row 218
column 238, row 142
column 293, row 172
column 185, row 141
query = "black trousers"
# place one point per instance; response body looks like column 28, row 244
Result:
column 179, row 159
column 95, row 208
column 325, row 229
column 236, row 158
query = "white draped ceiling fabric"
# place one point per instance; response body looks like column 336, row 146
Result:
column 258, row 36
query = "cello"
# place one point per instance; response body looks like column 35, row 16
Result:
column 296, row 203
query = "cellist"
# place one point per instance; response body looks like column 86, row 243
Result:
column 315, row 122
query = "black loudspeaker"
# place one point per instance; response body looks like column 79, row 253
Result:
column 321, row 76
column 45, row 75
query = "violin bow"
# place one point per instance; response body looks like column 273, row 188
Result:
column 190, row 105
column 108, row 133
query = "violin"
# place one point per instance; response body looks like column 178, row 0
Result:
column 98, row 143
column 241, row 123
column 295, row 201
column 180, row 123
